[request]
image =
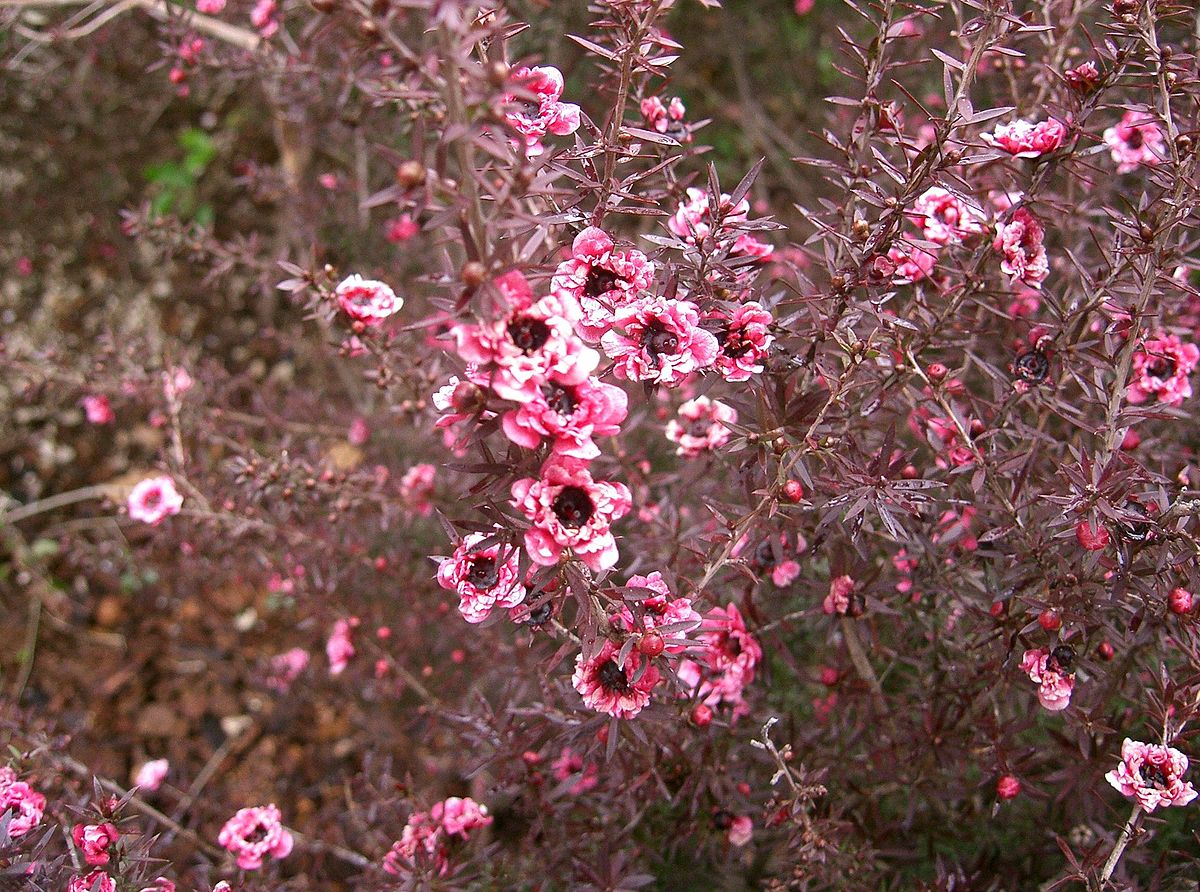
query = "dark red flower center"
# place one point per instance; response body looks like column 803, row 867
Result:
column 600, row 281
column 1161, row 367
column 573, row 507
column 1135, row 139
column 658, row 340
column 612, row 677
column 528, row 334
column 1062, row 658
column 1032, row 366
column 152, row 498
column 560, row 399
column 483, row 573
column 258, row 834
column 1152, row 774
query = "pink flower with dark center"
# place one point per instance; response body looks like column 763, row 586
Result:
column 154, row 499
column 569, row 415
column 912, row 265
column 1161, row 368
column 946, row 218
column 93, row 840
column 700, row 426
column 659, row 340
column 666, row 118
column 416, row 488
column 339, row 649
column 675, row 617
column 542, row 113
column 838, row 599
column 458, row 816
column 1020, row 241
column 152, row 774
column 286, row 668
column 96, row 881
column 26, row 804
column 367, row 300
column 609, row 688
column 570, row 510
column 568, row 764
column 601, row 279
column 517, row 353
column 254, row 833
column 1024, row 139
column 744, row 340
column 726, row 664
column 483, row 577
column 97, row 409
column 1054, row 680
column 1152, row 775
column 1136, row 140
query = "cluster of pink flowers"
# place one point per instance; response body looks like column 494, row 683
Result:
column 726, row 665
column 367, row 301
column 1135, row 141
column 601, row 279
column 666, row 118
column 1160, row 370
column 483, row 577
column 534, row 117
column 26, row 804
column 425, row 834
column 1051, row 672
column 701, row 426
column 693, row 222
column 907, row 266
column 946, row 218
column 1024, row 139
column 255, row 833
column 96, row 881
column 662, row 612
column 94, row 841
column 838, row 601
column 1152, row 775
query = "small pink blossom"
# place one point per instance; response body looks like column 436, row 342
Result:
column 701, row 426
column 254, row 833
column 745, row 340
column 570, row 510
column 725, row 664
column 1082, row 77
column 666, row 118
column 1161, row 368
column 210, row 7
column 609, row 688
column 96, row 881
column 416, row 488
column 482, row 577
column 286, row 668
column 97, row 409
column 804, row 7
column 674, row 617
column 262, row 17
column 1024, row 139
column 692, row 220
column 1152, row 775
column 367, row 300
column 945, row 217
column 328, row 181
column 1020, row 241
column 460, row 815
column 401, row 229
column 162, row 884
column 533, row 118
column 1136, row 140
column 339, row 648
column 94, row 840
column 570, row 763
column 152, row 774
column 569, row 416
column 742, row 827
column 910, row 265
column 1054, row 684
column 659, row 340
column 154, row 499
column 785, row 572
column 838, row 599
column 26, row 804
column 601, row 278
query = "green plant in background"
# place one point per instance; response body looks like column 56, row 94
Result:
column 174, row 183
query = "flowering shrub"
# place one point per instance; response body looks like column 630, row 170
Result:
column 814, row 503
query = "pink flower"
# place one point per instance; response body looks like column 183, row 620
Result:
column 1021, row 242
column 673, row 616
column 1161, row 368
column 482, row 577
column 162, row 884
column 416, row 488
column 726, row 663
column 568, row 415
column 339, row 648
column 912, row 265
column 517, row 353
column 1024, row 139
column 569, row 763
column 210, row 7
column 367, row 300
column 152, row 774
column 1054, row 682
column 1008, row 787
column 569, row 510
column 457, row 816
column 262, row 17
column 458, row 401
column 154, row 499
column 744, row 341
column 700, row 426
column 286, row 668
column 401, row 229
column 26, row 805
column 98, row 409
column 93, row 840
column 1082, row 77
column 96, row 881
column 692, row 220
column 742, row 827
column 254, row 833
column 785, row 572
column 666, row 118
column 543, row 113
column 659, row 340
column 1136, row 140
column 328, row 181
column 609, row 688
column 601, row 279
column 946, row 218
column 838, row 599
column 1152, row 775
column 804, row 7
column 1093, row 538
